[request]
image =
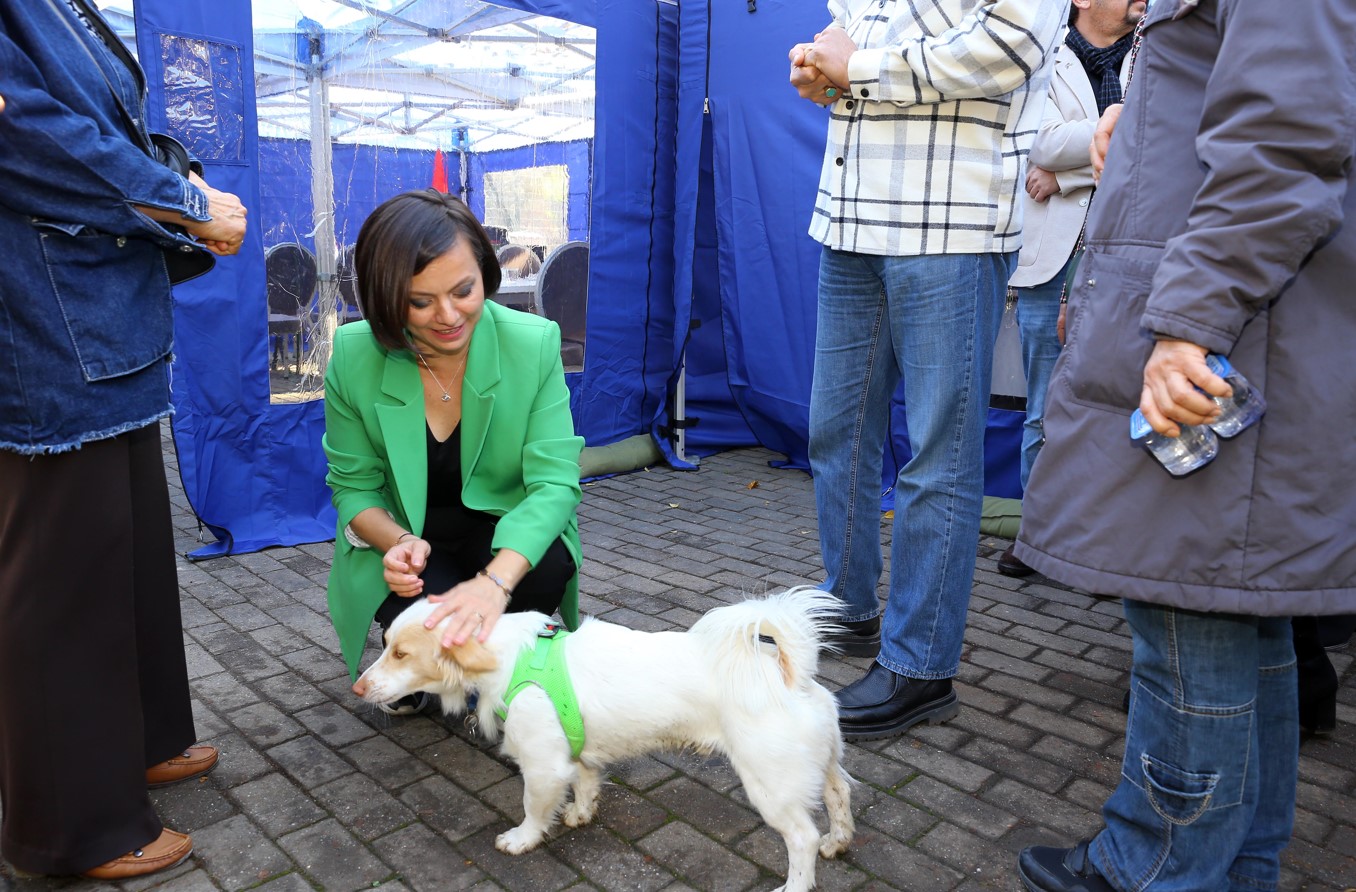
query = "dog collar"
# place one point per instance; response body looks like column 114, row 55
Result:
column 544, row 666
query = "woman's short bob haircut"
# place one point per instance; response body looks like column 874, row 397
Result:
column 401, row 237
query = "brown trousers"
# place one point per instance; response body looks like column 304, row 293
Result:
column 93, row 682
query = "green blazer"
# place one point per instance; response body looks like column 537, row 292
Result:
column 519, row 458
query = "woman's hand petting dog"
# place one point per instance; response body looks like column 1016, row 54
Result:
column 474, row 606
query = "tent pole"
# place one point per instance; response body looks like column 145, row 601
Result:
column 680, row 413
column 322, row 198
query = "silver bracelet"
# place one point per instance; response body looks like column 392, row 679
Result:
column 508, row 592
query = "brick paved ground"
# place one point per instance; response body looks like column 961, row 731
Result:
column 316, row 791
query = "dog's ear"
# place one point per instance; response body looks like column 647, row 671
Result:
column 473, row 657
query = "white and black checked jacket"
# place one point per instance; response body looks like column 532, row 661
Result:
column 925, row 155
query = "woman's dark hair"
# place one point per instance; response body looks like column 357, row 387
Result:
column 401, row 237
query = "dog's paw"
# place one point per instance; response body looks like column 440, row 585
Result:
column 516, row 841
column 577, row 815
column 831, row 846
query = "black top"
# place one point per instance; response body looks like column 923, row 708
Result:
column 448, row 517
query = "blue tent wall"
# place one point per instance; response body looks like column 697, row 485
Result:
column 629, row 352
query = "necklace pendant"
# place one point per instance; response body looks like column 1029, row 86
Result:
column 446, row 397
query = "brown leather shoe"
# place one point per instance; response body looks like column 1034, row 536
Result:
column 167, row 851
column 193, row 762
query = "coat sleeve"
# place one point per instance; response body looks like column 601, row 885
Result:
column 57, row 164
column 550, row 463
column 1061, row 145
column 1275, row 141
column 356, row 472
column 989, row 53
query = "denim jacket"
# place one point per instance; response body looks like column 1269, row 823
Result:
column 86, row 318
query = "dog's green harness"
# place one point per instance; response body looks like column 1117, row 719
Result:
column 545, row 668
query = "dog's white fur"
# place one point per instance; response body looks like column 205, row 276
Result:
column 717, row 688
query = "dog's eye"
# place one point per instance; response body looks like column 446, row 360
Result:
column 398, row 654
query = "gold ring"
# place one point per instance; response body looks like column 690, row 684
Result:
column 831, row 92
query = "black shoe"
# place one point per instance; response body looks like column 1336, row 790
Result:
column 882, row 704
column 1316, row 678
column 1335, row 632
column 1318, row 686
column 1047, row 869
column 855, row 639
column 1010, row 565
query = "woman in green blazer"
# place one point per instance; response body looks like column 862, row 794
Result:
column 452, row 455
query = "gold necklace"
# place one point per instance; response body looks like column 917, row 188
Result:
column 446, row 397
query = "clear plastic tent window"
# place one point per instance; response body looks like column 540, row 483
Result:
column 358, row 100
column 204, row 103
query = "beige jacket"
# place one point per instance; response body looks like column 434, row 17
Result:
column 1051, row 227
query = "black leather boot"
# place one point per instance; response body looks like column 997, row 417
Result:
column 854, row 639
column 883, row 704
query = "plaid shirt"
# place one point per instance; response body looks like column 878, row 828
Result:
column 925, row 153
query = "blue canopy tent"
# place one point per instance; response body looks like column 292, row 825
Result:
column 702, row 168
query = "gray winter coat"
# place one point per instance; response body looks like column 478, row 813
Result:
column 1225, row 217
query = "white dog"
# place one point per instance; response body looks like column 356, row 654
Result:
column 741, row 683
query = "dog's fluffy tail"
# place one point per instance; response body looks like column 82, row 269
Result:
column 771, row 642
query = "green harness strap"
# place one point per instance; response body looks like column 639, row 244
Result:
column 545, row 668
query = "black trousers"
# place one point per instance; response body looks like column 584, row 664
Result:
column 93, row 682
column 458, row 559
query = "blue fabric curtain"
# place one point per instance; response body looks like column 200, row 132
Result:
column 629, row 354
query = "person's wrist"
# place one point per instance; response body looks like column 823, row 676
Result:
column 500, row 584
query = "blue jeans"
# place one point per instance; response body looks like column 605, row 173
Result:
column 1037, row 321
column 933, row 320
column 1206, row 799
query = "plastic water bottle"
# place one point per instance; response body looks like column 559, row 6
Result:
column 1197, row 445
column 1243, row 408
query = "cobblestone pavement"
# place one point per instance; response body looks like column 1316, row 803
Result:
column 317, row 791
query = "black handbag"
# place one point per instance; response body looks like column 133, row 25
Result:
column 183, row 261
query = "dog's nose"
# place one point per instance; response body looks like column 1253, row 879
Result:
column 360, row 687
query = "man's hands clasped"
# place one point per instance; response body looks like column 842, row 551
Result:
column 819, row 70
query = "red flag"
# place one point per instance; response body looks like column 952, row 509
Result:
column 439, row 172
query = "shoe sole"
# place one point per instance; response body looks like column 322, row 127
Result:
column 179, row 780
column 1015, row 573
column 117, row 878
column 935, row 713
column 200, row 772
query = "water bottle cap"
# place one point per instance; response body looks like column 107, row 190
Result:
column 1219, row 365
column 1139, row 426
